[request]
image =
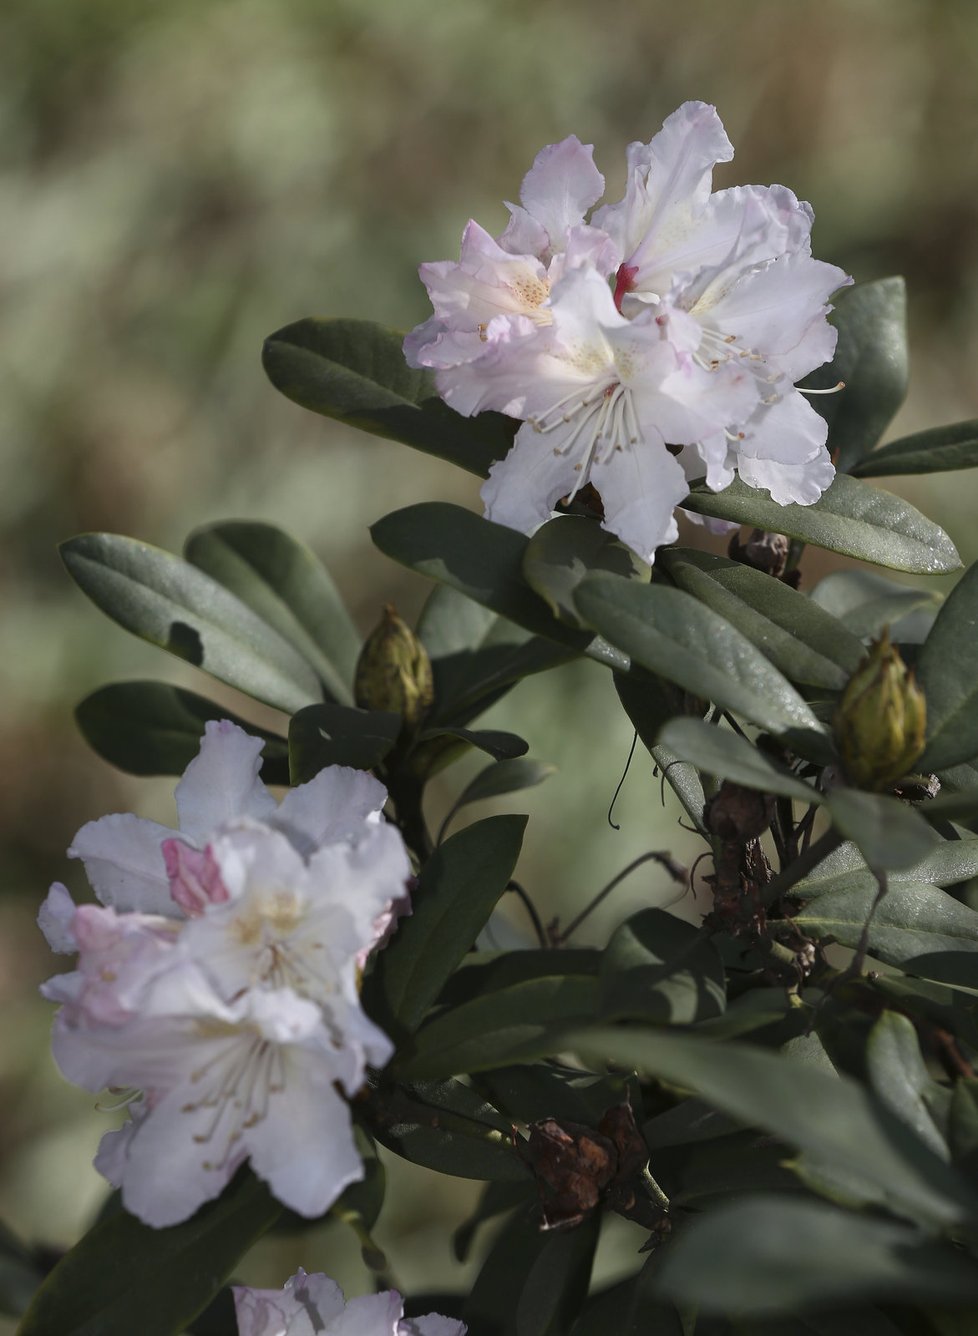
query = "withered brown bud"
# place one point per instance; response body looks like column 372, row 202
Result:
column 737, row 814
column 573, row 1166
column 767, row 552
column 394, row 671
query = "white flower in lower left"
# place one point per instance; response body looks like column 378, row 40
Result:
column 313, row 1304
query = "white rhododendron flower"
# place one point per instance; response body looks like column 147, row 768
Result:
column 219, row 985
column 313, row 1304
column 656, row 344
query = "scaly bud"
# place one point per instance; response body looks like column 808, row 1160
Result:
column 881, row 719
column 394, row 671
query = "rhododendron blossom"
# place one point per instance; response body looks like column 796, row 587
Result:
column 220, row 984
column 656, row 344
column 313, row 1304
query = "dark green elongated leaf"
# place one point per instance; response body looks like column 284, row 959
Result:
column 889, row 834
column 634, row 1308
column 921, row 929
column 851, row 517
column 948, row 862
column 446, row 1126
column 287, row 585
column 20, row 1274
column 124, row 1277
column 775, row 1254
column 871, row 357
column 354, row 371
column 900, row 1078
column 865, row 602
column 153, row 728
column 494, row 742
column 339, row 735
column 649, row 703
column 963, row 1126
column 799, row 637
column 489, row 971
column 557, row 1282
column 482, row 560
column 564, row 550
column 712, row 1171
column 475, row 655
column 172, row 604
column 721, row 752
column 937, row 450
column 661, row 969
column 946, row 672
column 832, row 1119
column 532, row 1091
column 670, row 633
column 491, row 1306
column 507, row 776
column 496, row 1199
column 456, row 893
column 511, row 1024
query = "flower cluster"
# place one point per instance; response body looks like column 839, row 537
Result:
column 658, row 343
column 314, row 1304
column 217, row 981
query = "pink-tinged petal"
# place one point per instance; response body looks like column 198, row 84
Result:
column 302, row 1308
column 363, row 880
column 587, row 248
column 523, row 234
column 56, row 919
column 370, row 1315
column 500, row 377
column 788, row 430
column 640, row 487
column 124, row 862
column 334, row 805
column 522, row 489
column 561, row 186
column 432, row 1325
column 305, row 1150
column 221, row 783
column 668, row 182
column 195, row 878
column 802, row 484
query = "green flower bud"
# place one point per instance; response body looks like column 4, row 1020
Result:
column 881, row 719
column 394, row 671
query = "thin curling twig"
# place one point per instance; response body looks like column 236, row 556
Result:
column 666, row 860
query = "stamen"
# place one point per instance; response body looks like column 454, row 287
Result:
column 834, row 389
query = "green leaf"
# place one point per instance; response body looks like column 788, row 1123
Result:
column 533, row 1091
column 152, row 728
column 963, row 1126
column 446, row 1126
column 558, row 1280
column 871, row 357
column 851, row 517
column 650, row 703
column 493, row 741
column 900, row 1078
column 946, row 672
column 567, row 548
column 506, row 776
column 670, row 633
column 833, row 1120
column 864, row 602
column 774, row 1254
column 727, row 755
column 354, row 371
column 482, row 560
column 125, row 1277
column 289, row 588
column 937, row 450
column 477, row 656
column 456, row 893
column 661, row 969
column 491, row 1306
column 513, row 1024
column 921, row 929
column 799, row 637
column 172, row 604
column 496, row 1199
column 948, row 862
column 888, row 833
column 328, row 734
column 20, row 1274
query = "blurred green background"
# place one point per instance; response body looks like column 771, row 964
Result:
column 181, row 179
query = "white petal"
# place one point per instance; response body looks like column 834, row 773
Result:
column 124, row 862
column 371, row 1315
column 302, row 1308
column 56, row 919
column 334, row 805
column 561, row 186
column 221, row 783
column 640, row 487
column 789, row 431
column 799, row 483
column 304, row 1149
column 432, row 1325
column 522, row 489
